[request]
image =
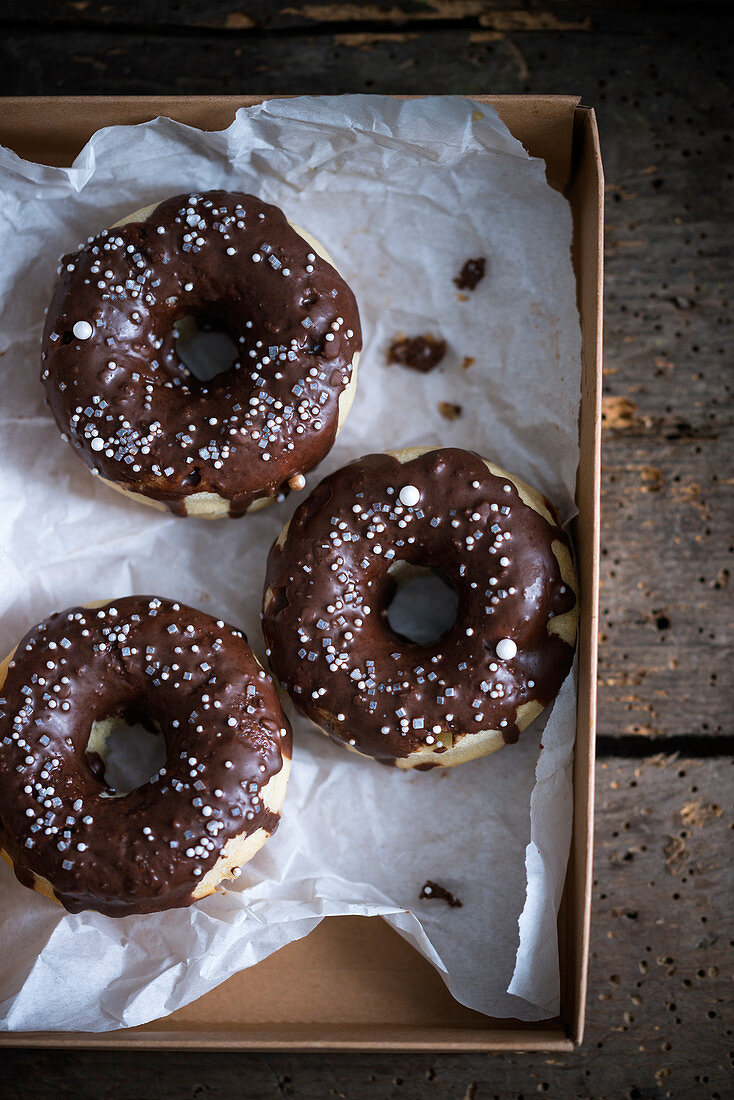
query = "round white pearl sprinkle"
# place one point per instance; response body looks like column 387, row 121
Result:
column 409, row 496
column 82, row 330
column 505, row 649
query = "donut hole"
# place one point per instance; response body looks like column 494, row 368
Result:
column 205, row 346
column 422, row 604
column 124, row 752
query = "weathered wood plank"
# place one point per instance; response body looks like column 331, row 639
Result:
column 660, row 1000
column 289, row 15
column 668, row 546
column 500, row 16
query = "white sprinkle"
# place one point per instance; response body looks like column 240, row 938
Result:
column 82, row 330
column 505, row 649
column 409, row 495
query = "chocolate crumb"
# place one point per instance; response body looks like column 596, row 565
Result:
column 471, row 273
column 467, row 361
column 421, row 353
column 431, row 890
column 449, row 411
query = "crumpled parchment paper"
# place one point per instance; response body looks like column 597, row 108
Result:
column 401, row 193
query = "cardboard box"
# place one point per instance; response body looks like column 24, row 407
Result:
column 354, row 984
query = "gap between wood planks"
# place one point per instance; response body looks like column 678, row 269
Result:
column 344, row 31
column 639, row 747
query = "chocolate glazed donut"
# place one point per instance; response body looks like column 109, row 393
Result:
column 206, row 811
column 331, row 575
column 134, row 412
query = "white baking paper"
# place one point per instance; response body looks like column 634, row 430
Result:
column 401, row 193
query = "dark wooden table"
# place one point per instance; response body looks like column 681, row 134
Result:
column 660, row 1021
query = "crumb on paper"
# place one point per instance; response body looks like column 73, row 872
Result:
column 422, row 353
column 471, row 273
column 467, row 361
column 449, row 411
column 433, row 891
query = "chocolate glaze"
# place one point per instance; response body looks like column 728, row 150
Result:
column 129, row 406
column 421, row 353
column 190, row 676
column 471, row 273
column 329, row 639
